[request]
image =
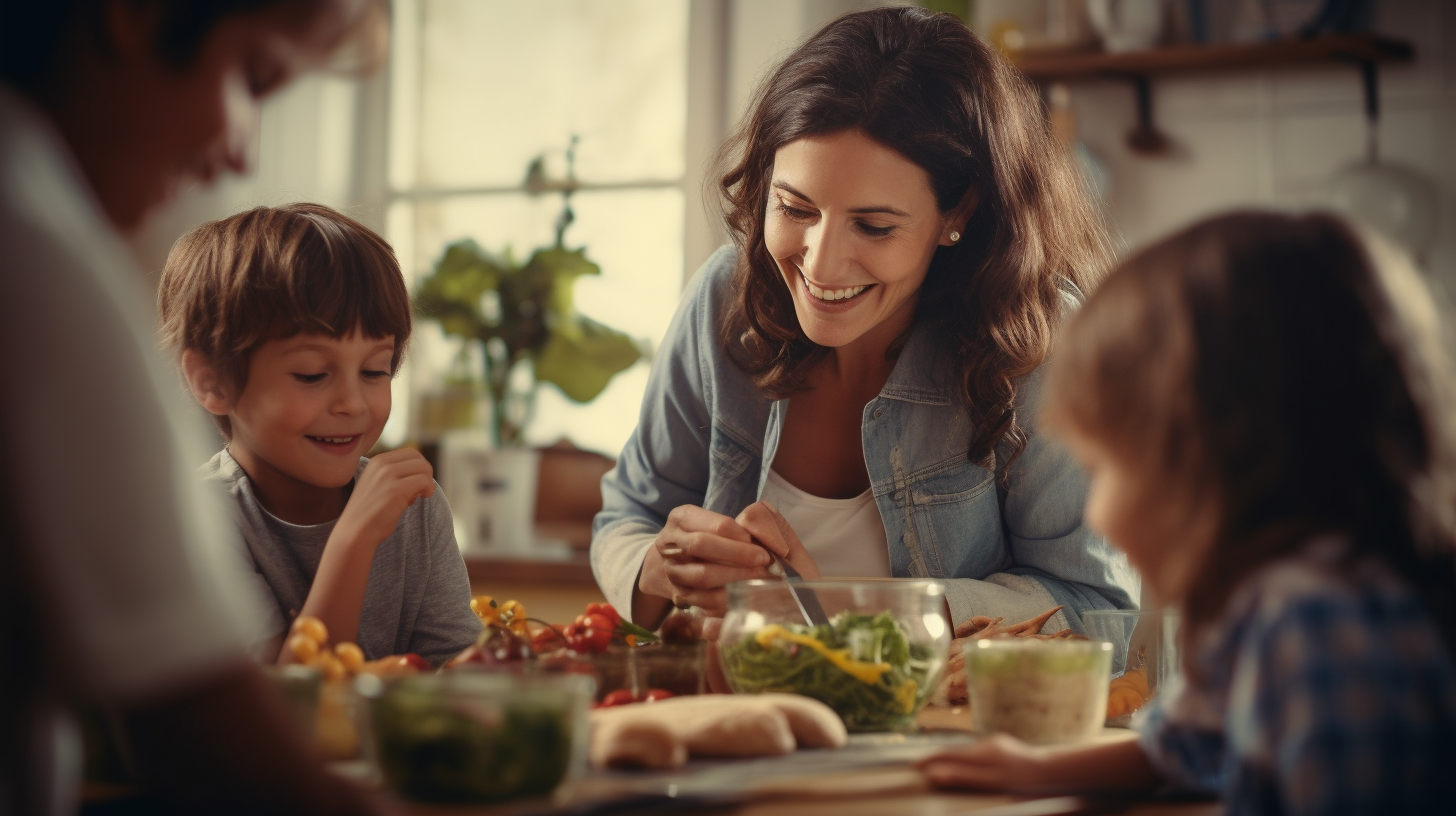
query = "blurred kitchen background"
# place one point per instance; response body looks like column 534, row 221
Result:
column 435, row 147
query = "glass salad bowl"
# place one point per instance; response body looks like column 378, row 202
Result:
column 875, row 662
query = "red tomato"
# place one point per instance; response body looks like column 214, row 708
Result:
column 595, row 640
column 596, row 620
column 545, row 639
column 618, row 697
column 653, row 695
column 606, row 610
column 416, row 662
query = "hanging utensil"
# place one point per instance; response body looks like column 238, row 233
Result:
column 1394, row 199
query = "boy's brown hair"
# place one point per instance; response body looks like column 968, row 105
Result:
column 1288, row 373
column 275, row 272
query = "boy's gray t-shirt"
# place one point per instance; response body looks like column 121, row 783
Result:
column 418, row 595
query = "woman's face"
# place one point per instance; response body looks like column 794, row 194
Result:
column 852, row 226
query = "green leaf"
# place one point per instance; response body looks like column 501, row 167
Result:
column 451, row 294
column 558, row 269
column 582, row 362
column 642, row 634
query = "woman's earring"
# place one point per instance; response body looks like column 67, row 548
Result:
column 954, row 236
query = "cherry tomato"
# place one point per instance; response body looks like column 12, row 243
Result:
column 594, row 640
column 653, row 695
column 618, row 697
column 312, row 628
column 303, row 647
column 332, row 667
column 351, row 656
column 415, row 662
column 595, row 620
column 545, row 639
column 504, row 646
column 606, row 610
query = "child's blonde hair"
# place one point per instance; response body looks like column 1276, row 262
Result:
column 274, row 272
column 1287, row 372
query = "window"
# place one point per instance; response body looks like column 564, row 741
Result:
column 480, row 88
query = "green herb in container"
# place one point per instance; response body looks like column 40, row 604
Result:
column 478, row 736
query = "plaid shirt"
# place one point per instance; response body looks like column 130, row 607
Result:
column 1322, row 690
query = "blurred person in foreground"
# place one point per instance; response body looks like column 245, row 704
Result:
column 1265, row 406
column 110, row 595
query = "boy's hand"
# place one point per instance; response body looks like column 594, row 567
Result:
column 391, row 482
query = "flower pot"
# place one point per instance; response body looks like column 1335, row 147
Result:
column 492, row 491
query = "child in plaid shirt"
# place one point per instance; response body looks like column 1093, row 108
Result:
column 1264, row 408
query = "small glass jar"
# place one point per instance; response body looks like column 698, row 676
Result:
column 1144, row 656
column 1039, row 691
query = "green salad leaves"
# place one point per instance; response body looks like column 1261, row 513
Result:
column 862, row 666
column 436, row 749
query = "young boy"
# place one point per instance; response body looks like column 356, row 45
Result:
column 290, row 323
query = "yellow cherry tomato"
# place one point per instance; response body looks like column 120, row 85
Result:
column 332, row 667
column 351, row 656
column 485, row 608
column 513, row 615
column 303, row 648
column 312, row 627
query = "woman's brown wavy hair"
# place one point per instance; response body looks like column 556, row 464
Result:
column 925, row 86
column 1283, row 377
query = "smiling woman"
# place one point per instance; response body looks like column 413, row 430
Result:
column 848, row 385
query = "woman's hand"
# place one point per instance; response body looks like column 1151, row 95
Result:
column 996, row 763
column 771, row 530
column 697, row 553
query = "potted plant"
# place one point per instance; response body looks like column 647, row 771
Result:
column 524, row 316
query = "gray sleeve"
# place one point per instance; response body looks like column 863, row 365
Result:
column 445, row 624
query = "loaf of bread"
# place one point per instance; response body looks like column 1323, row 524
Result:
column 665, row 733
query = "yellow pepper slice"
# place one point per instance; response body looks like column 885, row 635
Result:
column 861, row 670
column 905, row 695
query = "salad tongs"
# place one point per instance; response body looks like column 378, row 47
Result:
column 804, row 597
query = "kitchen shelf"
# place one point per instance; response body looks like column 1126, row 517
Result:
column 1362, row 51
column 1350, row 48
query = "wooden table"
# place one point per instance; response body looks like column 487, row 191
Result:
column 892, row 787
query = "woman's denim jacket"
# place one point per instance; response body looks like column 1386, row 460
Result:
column 707, row 435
